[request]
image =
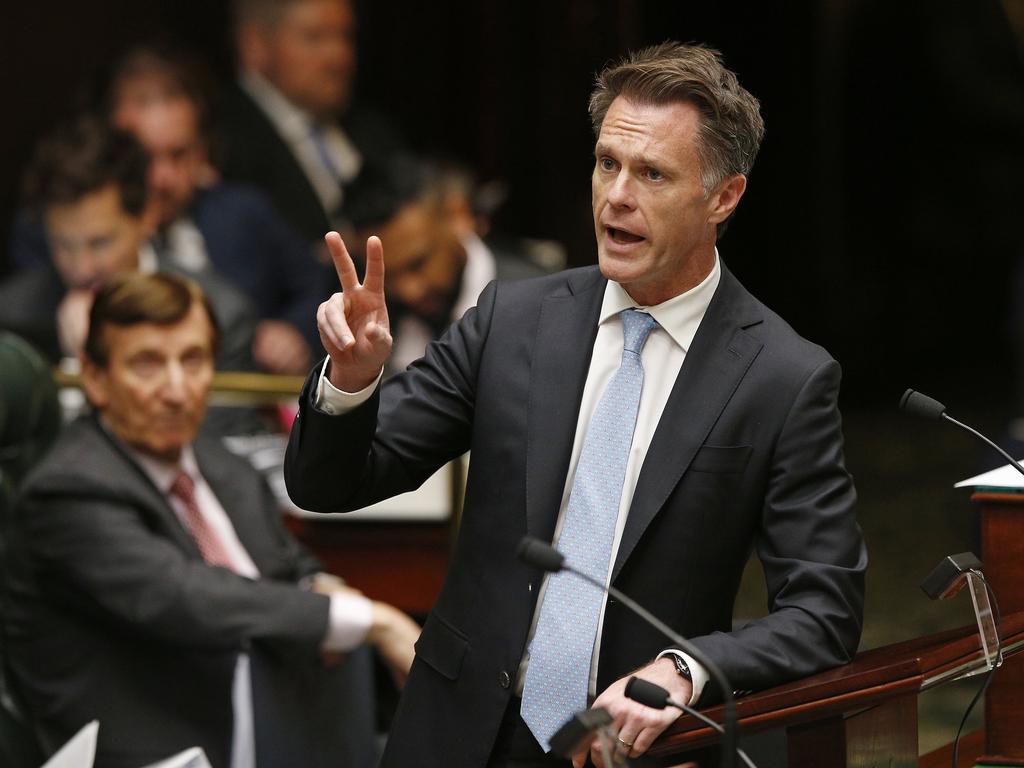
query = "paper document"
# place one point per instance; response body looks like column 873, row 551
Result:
column 190, row 758
column 1004, row 477
column 79, row 752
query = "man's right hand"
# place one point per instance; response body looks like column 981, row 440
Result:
column 353, row 324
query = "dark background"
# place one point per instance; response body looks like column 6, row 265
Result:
column 884, row 217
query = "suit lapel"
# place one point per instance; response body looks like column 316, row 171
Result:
column 721, row 353
column 561, row 357
column 241, row 502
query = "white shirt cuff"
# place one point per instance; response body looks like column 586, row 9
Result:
column 349, row 620
column 698, row 675
column 334, row 401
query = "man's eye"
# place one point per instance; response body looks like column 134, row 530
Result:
column 606, row 163
column 654, row 175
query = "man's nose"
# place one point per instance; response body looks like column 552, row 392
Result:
column 620, row 193
column 175, row 383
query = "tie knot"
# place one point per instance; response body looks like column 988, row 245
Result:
column 183, row 487
column 635, row 328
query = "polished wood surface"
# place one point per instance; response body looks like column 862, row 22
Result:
column 820, row 709
column 403, row 564
column 1002, row 553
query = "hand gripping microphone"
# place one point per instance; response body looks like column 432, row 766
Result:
column 920, row 404
column 542, row 555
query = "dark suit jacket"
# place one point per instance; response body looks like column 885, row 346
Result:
column 254, row 152
column 113, row 614
column 748, row 453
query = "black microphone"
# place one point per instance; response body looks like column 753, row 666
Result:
column 542, row 555
column 921, row 405
column 654, row 696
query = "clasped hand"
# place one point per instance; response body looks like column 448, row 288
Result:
column 353, row 324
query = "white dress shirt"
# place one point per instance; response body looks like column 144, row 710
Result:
column 296, row 127
column 349, row 616
column 662, row 357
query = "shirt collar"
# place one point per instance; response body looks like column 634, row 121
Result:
column 291, row 121
column 680, row 316
column 162, row 473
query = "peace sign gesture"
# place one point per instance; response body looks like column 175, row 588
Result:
column 353, row 324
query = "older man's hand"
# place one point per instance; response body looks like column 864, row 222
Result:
column 638, row 726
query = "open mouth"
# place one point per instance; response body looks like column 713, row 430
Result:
column 623, row 237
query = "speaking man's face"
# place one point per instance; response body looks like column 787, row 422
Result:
column 152, row 391
column 655, row 226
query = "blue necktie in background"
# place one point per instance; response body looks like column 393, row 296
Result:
column 558, row 673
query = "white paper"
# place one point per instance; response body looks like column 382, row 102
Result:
column 1004, row 477
column 79, row 752
column 193, row 757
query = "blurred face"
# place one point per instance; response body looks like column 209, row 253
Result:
column 168, row 128
column 423, row 258
column 655, row 225
column 93, row 238
column 310, row 56
column 152, row 392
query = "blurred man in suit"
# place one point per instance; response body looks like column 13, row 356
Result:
column 289, row 125
column 154, row 585
column 200, row 221
column 86, row 220
column 437, row 264
column 648, row 415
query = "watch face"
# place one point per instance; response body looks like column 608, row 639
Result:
column 681, row 667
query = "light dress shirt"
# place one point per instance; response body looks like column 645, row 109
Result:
column 662, row 357
column 412, row 334
column 349, row 617
column 295, row 126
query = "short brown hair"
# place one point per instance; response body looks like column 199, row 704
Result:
column 731, row 127
column 133, row 298
column 86, row 156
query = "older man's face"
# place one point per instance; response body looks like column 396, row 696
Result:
column 152, row 391
column 654, row 224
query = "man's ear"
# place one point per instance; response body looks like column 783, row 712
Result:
column 95, row 383
column 253, row 47
column 725, row 197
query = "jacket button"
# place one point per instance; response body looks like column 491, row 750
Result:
column 504, row 679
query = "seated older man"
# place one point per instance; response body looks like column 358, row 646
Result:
column 154, row 586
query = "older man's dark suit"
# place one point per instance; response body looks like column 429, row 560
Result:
column 111, row 613
column 748, row 453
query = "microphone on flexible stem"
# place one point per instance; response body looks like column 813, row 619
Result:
column 919, row 404
column 654, row 696
column 542, row 555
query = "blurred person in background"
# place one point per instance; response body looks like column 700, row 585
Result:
column 437, row 264
column 290, row 124
column 86, row 193
column 153, row 585
column 157, row 96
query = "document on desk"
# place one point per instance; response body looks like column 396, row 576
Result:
column 1005, row 478
column 190, row 758
column 79, row 752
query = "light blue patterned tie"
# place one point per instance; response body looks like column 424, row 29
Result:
column 558, row 673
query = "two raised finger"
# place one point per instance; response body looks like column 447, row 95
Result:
column 343, row 263
column 332, row 324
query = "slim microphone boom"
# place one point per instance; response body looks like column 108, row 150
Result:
column 542, row 555
column 654, row 696
column 919, row 404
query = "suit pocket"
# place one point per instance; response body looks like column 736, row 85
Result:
column 722, row 458
column 442, row 646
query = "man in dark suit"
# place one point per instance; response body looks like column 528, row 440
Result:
column 649, row 415
column 153, row 585
column 289, row 125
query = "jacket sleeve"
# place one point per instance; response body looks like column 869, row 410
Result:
column 412, row 425
column 95, row 553
column 811, row 549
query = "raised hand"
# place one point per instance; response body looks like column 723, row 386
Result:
column 353, row 324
